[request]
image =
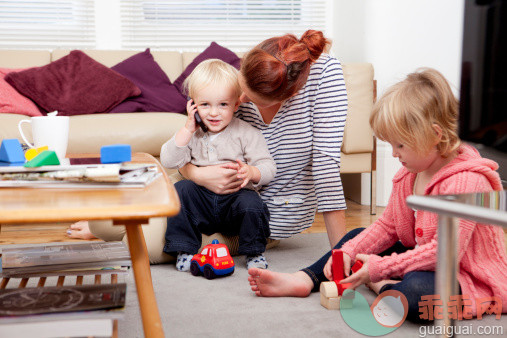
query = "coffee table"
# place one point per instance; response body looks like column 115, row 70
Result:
column 131, row 207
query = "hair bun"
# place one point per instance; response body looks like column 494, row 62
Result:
column 315, row 42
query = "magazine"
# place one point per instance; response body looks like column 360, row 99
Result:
column 20, row 260
column 125, row 175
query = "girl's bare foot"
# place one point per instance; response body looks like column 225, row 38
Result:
column 80, row 230
column 266, row 283
column 375, row 287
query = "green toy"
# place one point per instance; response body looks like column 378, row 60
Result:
column 47, row 157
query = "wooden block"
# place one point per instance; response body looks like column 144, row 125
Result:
column 332, row 303
column 342, row 287
column 358, row 265
column 329, row 289
column 337, row 266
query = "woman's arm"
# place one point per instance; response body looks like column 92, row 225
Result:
column 335, row 225
column 220, row 179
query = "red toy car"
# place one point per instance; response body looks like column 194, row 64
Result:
column 214, row 260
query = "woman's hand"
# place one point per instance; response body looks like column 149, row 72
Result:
column 220, row 179
column 328, row 271
column 362, row 276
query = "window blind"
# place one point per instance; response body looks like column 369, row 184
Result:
column 47, row 24
column 236, row 24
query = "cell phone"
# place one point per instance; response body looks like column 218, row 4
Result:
column 200, row 123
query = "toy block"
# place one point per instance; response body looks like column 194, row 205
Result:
column 32, row 152
column 115, row 153
column 329, row 289
column 342, row 287
column 357, row 266
column 11, row 151
column 337, row 265
column 330, row 303
column 47, row 157
column 329, row 296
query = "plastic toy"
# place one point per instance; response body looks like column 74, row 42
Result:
column 32, row 152
column 213, row 260
column 115, row 153
column 331, row 292
column 11, row 151
column 47, row 157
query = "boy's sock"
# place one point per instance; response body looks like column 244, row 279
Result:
column 183, row 261
column 256, row 261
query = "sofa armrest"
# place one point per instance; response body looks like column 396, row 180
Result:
column 358, row 136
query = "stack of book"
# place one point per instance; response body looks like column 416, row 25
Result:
column 118, row 175
column 65, row 309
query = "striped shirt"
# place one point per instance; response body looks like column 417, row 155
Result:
column 305, row 139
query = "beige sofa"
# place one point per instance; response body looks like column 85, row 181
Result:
column 146, row 132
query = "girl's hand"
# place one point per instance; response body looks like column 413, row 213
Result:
column 362, row 276
column 328, row 271
column 191, row 124
column 220, row 179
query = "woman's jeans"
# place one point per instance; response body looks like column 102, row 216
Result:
column 413, row 285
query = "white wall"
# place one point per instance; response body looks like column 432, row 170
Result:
column 397, row 37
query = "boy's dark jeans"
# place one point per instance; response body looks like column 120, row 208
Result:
column 413, row 285
column 203, row 212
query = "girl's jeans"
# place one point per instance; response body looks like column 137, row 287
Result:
column 413, row 285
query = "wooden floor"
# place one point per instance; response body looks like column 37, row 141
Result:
column 356, row 216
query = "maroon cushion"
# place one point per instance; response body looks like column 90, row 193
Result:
column 75, row 84
column 214, row 51
column 158, row 94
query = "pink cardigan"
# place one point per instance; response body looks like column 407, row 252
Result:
column 482, row 254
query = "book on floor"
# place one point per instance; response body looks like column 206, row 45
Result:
column 20, row 260
column 70, row 311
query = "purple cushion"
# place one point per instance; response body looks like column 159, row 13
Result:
column 214, row 51
column 75, row 84
column 157, row 92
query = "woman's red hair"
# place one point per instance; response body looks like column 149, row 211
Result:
column 278, row 67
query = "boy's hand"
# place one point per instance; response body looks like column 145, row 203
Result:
column 191, row 124
column 244, row 173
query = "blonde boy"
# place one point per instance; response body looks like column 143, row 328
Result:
column 237, row 147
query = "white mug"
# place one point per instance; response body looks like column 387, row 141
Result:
column 51, row 131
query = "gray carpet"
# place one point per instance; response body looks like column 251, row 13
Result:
column 226, row 307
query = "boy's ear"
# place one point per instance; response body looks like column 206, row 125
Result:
column 238, row 102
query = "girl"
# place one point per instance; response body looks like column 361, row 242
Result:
column 418, row 117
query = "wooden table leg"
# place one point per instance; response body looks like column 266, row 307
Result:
column 152, row 324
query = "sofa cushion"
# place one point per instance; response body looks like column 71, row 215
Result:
column 12, row 101
column 158, row 94
column 75, row 84
column 214, row 51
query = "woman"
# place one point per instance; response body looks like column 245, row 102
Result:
column 295, row 94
